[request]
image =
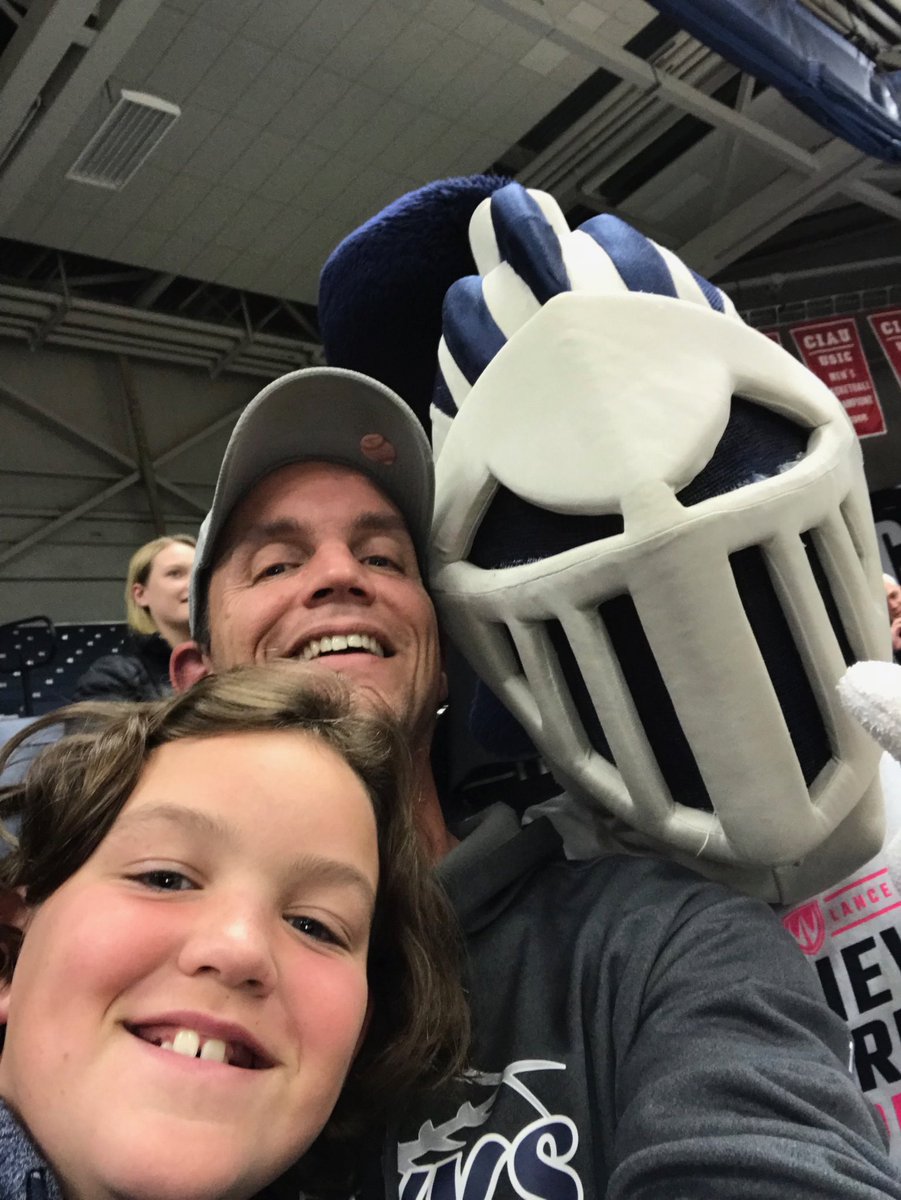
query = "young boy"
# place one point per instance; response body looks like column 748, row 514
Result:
column 218, row 931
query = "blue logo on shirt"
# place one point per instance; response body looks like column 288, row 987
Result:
column 453, row 1161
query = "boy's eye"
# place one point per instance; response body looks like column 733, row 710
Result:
column 312, row 928
column 163, row 880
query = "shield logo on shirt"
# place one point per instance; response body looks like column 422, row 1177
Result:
column 807, row 926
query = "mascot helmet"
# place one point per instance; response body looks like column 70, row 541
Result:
column 652, row 535
column 652, row 540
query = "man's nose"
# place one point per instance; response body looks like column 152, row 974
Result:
column 335, row 572
column 231, row 941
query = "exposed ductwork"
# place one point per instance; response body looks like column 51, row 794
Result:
column 45, row 318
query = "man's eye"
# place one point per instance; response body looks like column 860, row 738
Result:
column 314, row 929
column 164, row 880
column 382, row 560
column 272, row 570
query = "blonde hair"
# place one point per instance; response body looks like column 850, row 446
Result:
column 139, row 619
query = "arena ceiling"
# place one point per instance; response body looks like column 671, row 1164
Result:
column 299, row 119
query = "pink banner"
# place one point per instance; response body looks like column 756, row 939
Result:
column 833, row 351
column 886, row 325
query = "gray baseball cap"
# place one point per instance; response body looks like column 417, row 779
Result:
column 322, row 414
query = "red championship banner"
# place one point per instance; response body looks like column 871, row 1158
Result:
column 832, row 350
column 887, row 327
column 773, row 334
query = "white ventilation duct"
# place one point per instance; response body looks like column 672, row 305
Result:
column 132, row 130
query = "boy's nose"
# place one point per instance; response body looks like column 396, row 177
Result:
column 233, row 944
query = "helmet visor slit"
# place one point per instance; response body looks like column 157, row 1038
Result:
column 578, row 690
column 822, row 582
column 653, row 703
column 782, row 659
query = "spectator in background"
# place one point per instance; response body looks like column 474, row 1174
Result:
column 893, row 601
column 156, row 607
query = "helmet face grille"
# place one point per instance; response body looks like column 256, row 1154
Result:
column 578, row 690
column 782, row 660
column 822, row 582
column 653, row 703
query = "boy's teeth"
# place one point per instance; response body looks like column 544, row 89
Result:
column 214, row 1050
column 186, row 1042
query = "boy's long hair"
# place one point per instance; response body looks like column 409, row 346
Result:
column 74, row 790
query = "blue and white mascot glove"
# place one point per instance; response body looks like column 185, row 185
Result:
column 652, row 540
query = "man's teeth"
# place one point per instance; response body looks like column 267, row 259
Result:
column 338, row 642
column 187, row 1042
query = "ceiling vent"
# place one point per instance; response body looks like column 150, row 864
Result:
column 131, row 131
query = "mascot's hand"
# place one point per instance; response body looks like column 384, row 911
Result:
column 527, row 255
column 871, row 693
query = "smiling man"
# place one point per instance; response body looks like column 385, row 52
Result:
column 313, row 550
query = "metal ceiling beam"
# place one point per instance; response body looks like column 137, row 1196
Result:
column 81, row 89
column 745, row 95
column 636, row 71
column 139, row 435
column 116, row 516
column 785, row 200
column 874, row 197
column 40, row 535
column 778, row 278
column 35, row 50
column 154, row 290
column 36, row 412
column 89, row 442
column 531, row 15
column 136, row 332
column 66, row 518
column 240, row 346
column 13, row 13
column 135, row 276
column 301, row 320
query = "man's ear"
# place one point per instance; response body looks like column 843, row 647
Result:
column 13, row 918
column 188, row 665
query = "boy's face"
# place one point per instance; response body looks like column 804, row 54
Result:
column 230, row 903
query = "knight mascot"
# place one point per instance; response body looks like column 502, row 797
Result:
column 654, row 546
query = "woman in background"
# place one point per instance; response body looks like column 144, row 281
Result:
column 156, row 607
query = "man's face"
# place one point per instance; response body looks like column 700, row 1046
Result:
column 318, row 565
column 186, row 1005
